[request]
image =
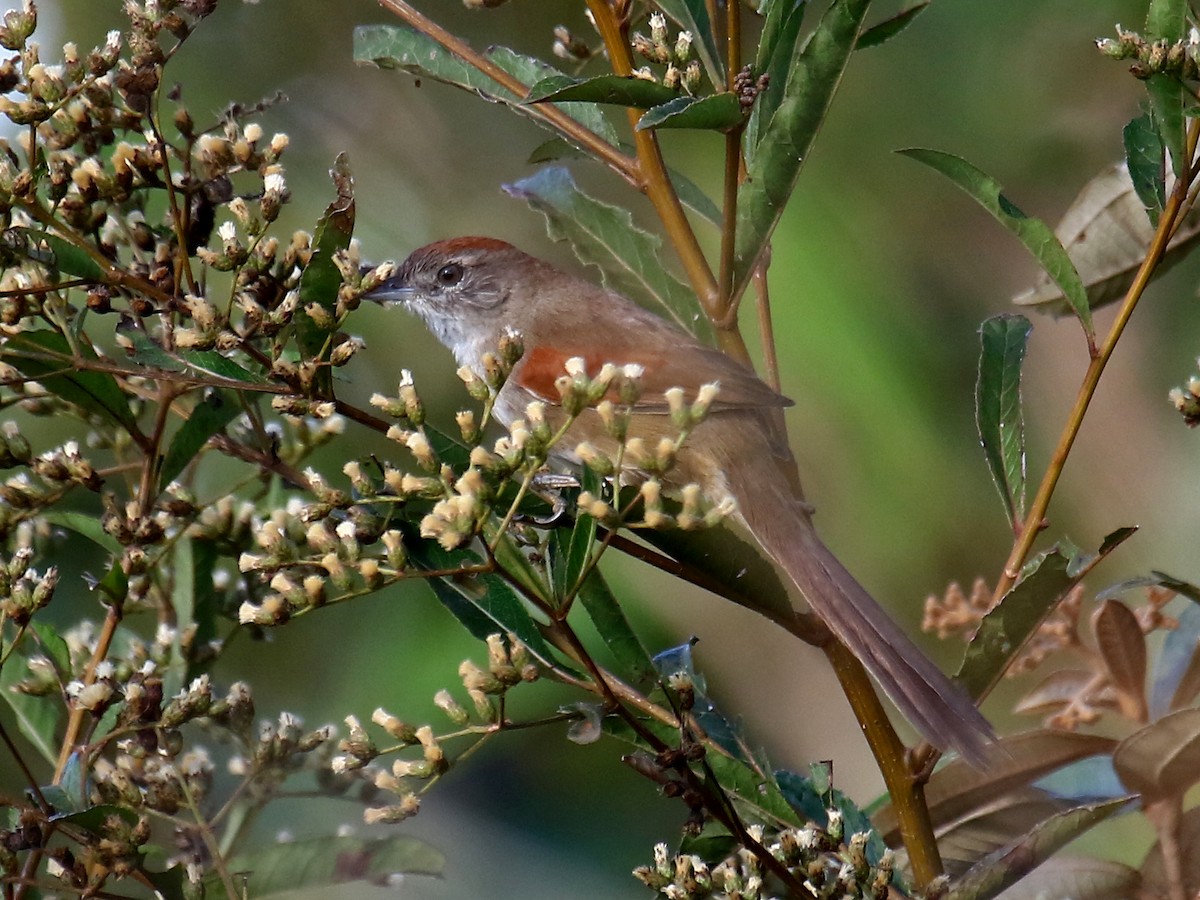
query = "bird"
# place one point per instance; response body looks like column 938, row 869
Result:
column 473, row 291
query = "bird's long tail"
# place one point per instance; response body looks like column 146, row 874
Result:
column 939, row 709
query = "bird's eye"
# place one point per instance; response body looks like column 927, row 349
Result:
column 450, row 274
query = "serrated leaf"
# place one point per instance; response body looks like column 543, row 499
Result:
column 484, row 604
column 1166, row 20
column 605, row 236
column 740, row 780
column 88, row 526
column 1006, row 866
column 889, row 28
column 321, row 279
column 54, row 648
column 692, row 15
column 998, row 416
column 53, row 252
column 1163, row 758
column 324, row 861
column 37, row 718
column 215, row 410
column 1167, row 99
column 633, row 661
column 1077, row 877
column 615, row 90
column 1144, row 160
column 1106, row 234
column 1005, row 629
column 1033, row 233
column 1014, row 761
column 198, row 362
column 813, row 798
column 530, row 70
column 777, row 45
column 47, row 356
column 690, row 193
column 718, row 112
column 393, row 47
column 1122, row 647
column 816, row 69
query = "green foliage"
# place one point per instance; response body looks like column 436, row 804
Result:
column 147, row 299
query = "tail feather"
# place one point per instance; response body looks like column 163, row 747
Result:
column 938, row 708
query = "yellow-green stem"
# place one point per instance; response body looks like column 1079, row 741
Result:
column 908, row 794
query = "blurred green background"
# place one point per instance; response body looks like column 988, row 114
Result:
column 881, row 275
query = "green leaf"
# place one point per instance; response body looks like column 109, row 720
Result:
column 718, row 112
column 483, row 604
column 1003, row 340
column 393, row 47
column 85, row 525
column 325, row 861
column 889, row 28
column 1005, row 629
column 1144, row 157
column 1166, row 20
column 47, row 356
column 1176, row 678
column 615, row 90
column 146, row 352
column 1163, row 758
column 53, row 252
column 813, row 798
column 692, row 15
column 321, row 279
column 54, row 648
column 776, row 47
column 570, row 556
column 816, row 71
column 1167, row 99
column 690, row 193
column 781, row 21
column 530, row 70
column 632, row 659
column 1033, row 233
column 37, row 718
column 214, row 411
column 1009, row 864
column 605, row 236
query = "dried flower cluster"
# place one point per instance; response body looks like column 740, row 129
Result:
column 826, row 862
column 509, row 664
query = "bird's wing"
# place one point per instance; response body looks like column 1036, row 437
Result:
column 680, row 362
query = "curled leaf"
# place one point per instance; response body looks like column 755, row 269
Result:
column 1106, row 234
column 1162, row 759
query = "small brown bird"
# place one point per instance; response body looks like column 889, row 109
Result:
column 471, row 290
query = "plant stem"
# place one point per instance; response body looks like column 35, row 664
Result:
column 907, row 792
column 1091, row 379
column 75, row 722
column 733, row 167
column 659, row 190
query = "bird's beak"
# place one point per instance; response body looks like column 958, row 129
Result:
column 389, row 291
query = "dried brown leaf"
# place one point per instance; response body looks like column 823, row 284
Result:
column 1162, row 759
column 1106, row 234
column 1122, row 646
